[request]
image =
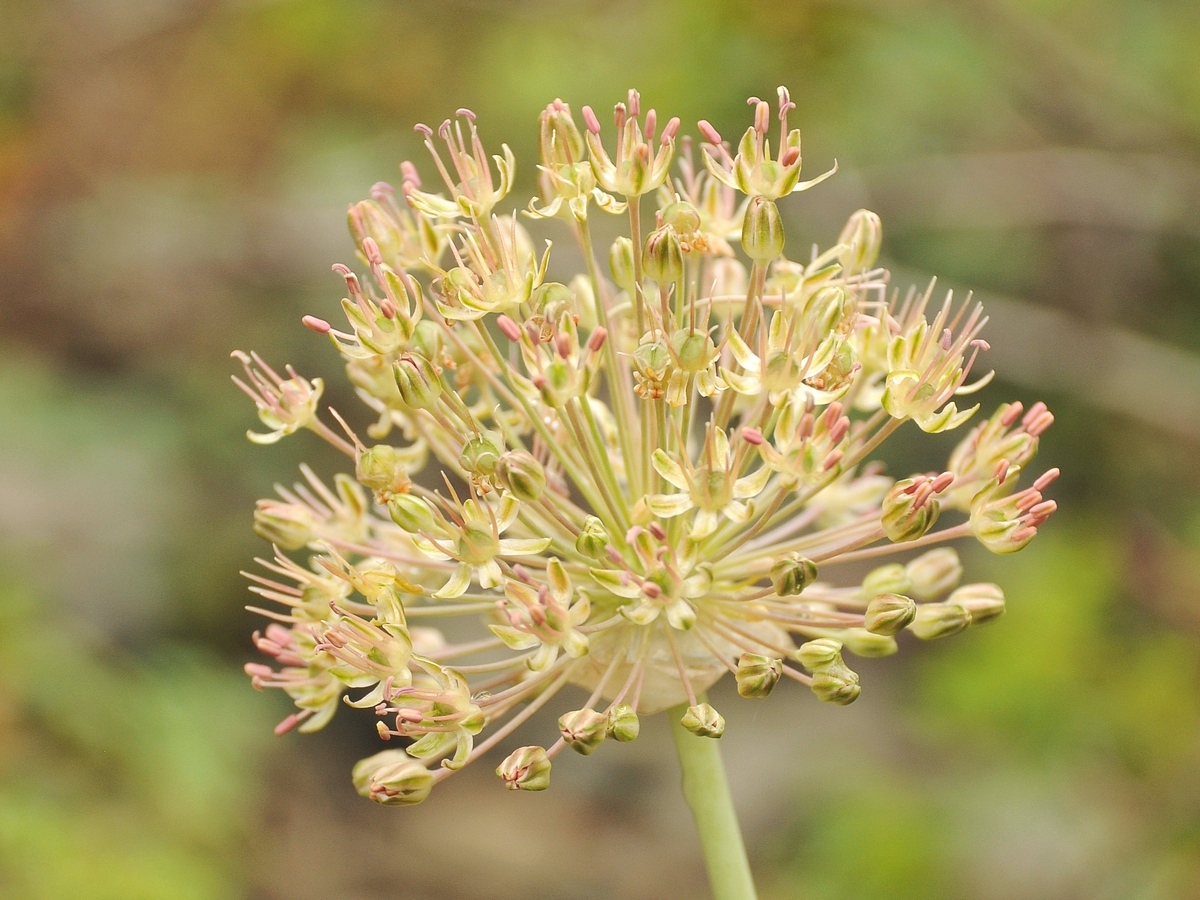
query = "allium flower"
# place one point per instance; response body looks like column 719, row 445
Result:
column 642, row 482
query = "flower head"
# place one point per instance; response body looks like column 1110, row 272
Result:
column 639, row 484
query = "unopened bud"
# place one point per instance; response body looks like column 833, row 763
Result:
column 620, row 261
column 663, row 259
column 382, row 469
column 583, row 729
column 862, row 238
column 762, row 230
column 411, row 513
column 836, row 684
column 937, row 620
column 417, row 381
column 526, row 769
column 481, row 453
column 522, row 474
column 984, row 602
column 392, row 777
column 934, row 573
column 593, row 539
column 906, row 514
column 889, row 614
column 821, row 652
column 757, row 675
column 623, row 724
column 289, row 526
column 559, row 139
column 868, row 644
column 703, row 721
column 890, row 579
column 792, row 573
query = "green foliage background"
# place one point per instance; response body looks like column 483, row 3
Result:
column 173, row 178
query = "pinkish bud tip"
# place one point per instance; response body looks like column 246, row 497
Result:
column 320, row 326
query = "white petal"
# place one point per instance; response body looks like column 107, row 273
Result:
column 459, row 581
column 668, row 506
column 669, row 469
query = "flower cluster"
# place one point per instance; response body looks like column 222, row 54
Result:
column 650, row 474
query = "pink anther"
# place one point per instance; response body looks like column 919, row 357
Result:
column 508, row 328
column 752, row 436
column 288, row 724
column 596, row 339
column 408, row 174
column 371, row 250
column 465, row 113
column 1012, row 413
column 709, row 133
column 671, row 129
column 657, row 530
column 424, row 130
column 832, row 460
column 320, row 326
column 790, row 156
column 942, row 482
column 590, row 120
column 562, row 343
column 635, row 103
column 651, row 124
column 762, row 117
column 1001, row 471
column 1047, row 478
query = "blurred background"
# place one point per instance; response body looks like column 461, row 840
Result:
column 173, row 182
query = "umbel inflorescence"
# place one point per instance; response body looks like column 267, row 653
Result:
column 634, row 480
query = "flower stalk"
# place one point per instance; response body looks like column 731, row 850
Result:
column 706, row 790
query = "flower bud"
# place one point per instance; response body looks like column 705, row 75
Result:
column 821, row 652
column 861, row 238
column 411, row 513
column 757, row 675
column 382, row 468
column 836, row 684
column 867, row 644
column 289, row 526
column 681, row 216
column 368, row 220
column 481, row 453
column 663, row 259
column 623, row 724
column 522, row 474
column 703, row 721
column 417, row 381
column 792, row 573
column 593, row 539
column 889, row 614
column 936, row 620
column 934, row 573
column 890, row 579
column 583, row 729
column 762, row 230
column 984, row 602
column 559, row 139
column 392, row 777
column 620, row 261
column 905, row 516
column 526, row 769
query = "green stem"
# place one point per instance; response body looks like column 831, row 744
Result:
column 707, row 793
